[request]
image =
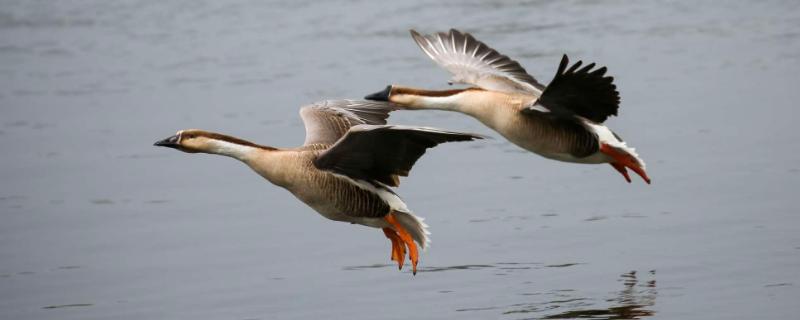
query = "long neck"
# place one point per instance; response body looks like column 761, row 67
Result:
column 233, row 150
column 266, row 161
column 483, row 105
column 236, row 148
column 412, row 98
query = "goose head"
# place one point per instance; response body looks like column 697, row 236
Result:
column 415, row 98
column 191, row 141
column 194, row 141
column 406, row 96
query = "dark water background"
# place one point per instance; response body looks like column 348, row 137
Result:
column 95, row 223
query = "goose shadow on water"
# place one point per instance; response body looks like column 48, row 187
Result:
column 634, row 301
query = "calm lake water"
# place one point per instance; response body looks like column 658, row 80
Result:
column 96, row 223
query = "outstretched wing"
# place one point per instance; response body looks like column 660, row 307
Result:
column 383, row 152
column 327, row 121
column 584, row 92
column 472, row 62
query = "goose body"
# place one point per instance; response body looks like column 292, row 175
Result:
column 345, row 169
column 333, row 196
column 561, row 121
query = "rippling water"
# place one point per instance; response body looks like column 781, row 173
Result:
column 98, row 224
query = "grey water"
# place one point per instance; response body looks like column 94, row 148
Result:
column 96, row 223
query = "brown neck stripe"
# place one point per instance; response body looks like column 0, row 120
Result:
column 431, row 93
column 234, row 140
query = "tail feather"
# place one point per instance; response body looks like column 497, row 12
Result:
column 606, row 136
column 415, row 227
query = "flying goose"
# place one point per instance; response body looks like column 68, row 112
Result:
column 561, row 121
column 345, row 169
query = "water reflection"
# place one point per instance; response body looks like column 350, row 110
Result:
column 73, row 305
column 634, row 301
column 501, row 266
column 83, row 83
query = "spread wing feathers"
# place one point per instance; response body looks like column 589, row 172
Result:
column 584, row 92
column 472, row 62
column 380, row 153
column 327, row 121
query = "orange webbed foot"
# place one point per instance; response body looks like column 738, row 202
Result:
column 621, row 169
column 398, row 248
column 623, row 160
column 404, row 236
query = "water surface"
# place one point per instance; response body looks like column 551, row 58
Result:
column 98, row 224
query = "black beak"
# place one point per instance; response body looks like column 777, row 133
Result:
column 380, row 96
column 171, row 142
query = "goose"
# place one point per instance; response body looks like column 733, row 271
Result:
column 561, row 121
column 345, row 168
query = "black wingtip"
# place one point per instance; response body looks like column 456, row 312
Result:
column 464, row 136
column 476, row 136
column 582, row 91
column 586, row 68
column 574, row 67
column 600, row 72
column 563, row 65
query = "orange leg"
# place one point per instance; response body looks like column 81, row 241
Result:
column 413, row 255
column 398, row 249
column 621, row 170
column 624, row 160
